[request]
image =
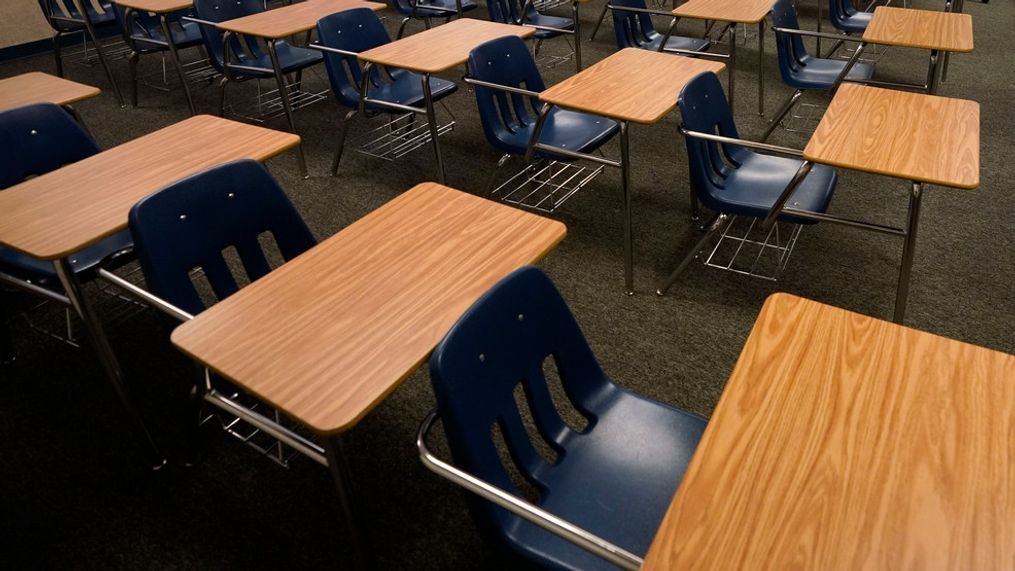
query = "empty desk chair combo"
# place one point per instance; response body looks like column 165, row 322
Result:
column 296, row 341
column 507, row 85
column 396, row 93
column 596, row 491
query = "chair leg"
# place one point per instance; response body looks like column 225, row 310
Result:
column 401, row 28
column 493, row 176
column 6, row 340
column 777, row 118
column 694, row 253
column 132, row 65
column 535, row 48
column 341, row 141
column 58, row 53
column 222, row 96
column 427, row 23
column 599, row 22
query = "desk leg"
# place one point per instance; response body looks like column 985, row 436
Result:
column 342, row 476
column 6, row 340
column 577, row 35
column 817, row 46
column 849, row 65
column 902, row 292
column 431, row 118
column 106, row 356
column 599, row 22
column 79, row 4
column 761, row 67
column 733, row 67
column 283, row 92
column 625, row 185
column 176, row 60
column 933, row 71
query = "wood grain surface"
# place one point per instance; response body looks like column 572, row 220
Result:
column 292, row 19
column 846, row 442
column 630, row 85
column 328, row 335
column 739, row 11
column 38, row 87
column 156, row 6
column 58, row 213
column 441, row 48
column 924, row 29
column 906, row 135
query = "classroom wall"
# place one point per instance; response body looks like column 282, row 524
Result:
column 21, row 21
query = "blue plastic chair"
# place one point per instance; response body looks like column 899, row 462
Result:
column 143, row 33
column 426, row 10
column 509, row 118
column 188, row 224
column 64, row 18
column 510, row 12
column 798, row 68
column 844, row 16
column 730, row 178
column 358, row 30
column 247, row 58
column 636, row 30
column 600, row 479
column 38, row 139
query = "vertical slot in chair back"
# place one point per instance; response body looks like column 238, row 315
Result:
column 501, row 342
column 41, row 138
column 505, row 61
column 507, row 11
column 189, row 224
column 355, row 30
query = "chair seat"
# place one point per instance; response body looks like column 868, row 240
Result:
column 676, row 43
column 752, row 189
column 853, row 23
column 187, row 37
column 549, row 22
column 423, row 12
column 290, row 58
column 407, row 89
column 38, row 271
column 820, row 73
column 638, row 452
column 570, row 130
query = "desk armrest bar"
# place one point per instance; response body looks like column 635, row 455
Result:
column 523, row 509
column 507, row 88
column 742, row 142
column 826, row 35
column 33, row 288
column 547, row 28
column 692, row 53
column 200, row 21
column 319, row 47
column 146, row 296
column 822, row 217
column 290, row 438
column 640, row 10
column 576, row 155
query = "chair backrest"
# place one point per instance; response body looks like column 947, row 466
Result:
column 220, row 11
column 790, row 47
column 63, row 9
column 403, row 7
column 355, row 30
column 505, row 61
column 40, row 138
column 191, row 223
column 501, row 342
column 703, row 108
column 840, row 10
column 632, row 29
column 509, row 11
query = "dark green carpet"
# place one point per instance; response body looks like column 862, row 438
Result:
column 73, row 494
